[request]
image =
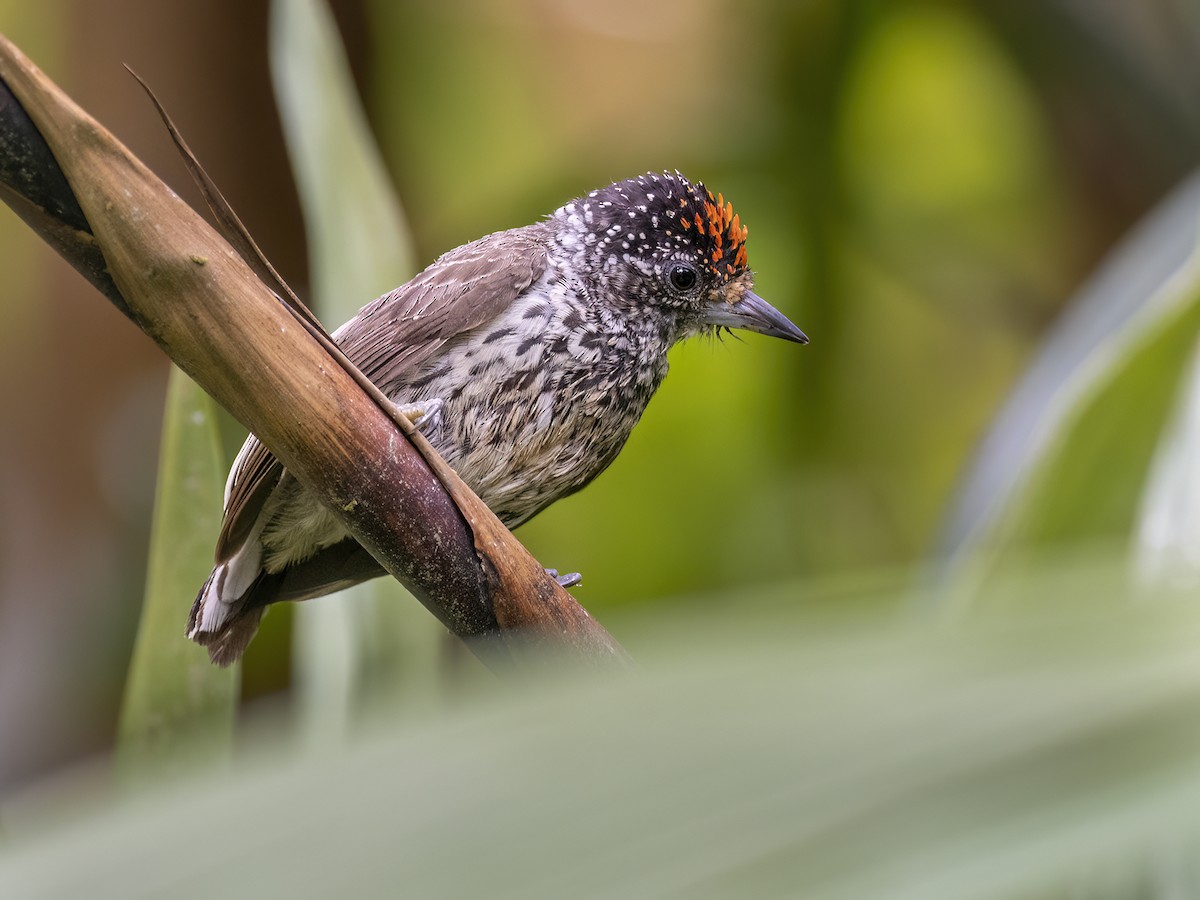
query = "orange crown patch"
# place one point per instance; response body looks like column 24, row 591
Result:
column 713, row 219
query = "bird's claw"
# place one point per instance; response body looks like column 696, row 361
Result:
column 569, row 580
column 426, row 416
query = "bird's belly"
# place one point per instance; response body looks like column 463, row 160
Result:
column 520, row 439
column 528, row 457
column 540, row 401
column 524, row 436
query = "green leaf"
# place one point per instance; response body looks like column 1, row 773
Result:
column 375, row 634
column 1168, row 536
column 179, row 709
column 358, row 240
column 1067, row 460
column 1054, row 753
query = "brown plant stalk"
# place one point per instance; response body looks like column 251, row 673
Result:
column 278, row 373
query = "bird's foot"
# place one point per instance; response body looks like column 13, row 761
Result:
column 425, row 416
column 567, row 581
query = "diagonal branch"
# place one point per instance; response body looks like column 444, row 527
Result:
column 190, row 291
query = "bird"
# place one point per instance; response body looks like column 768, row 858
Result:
column 525, row 358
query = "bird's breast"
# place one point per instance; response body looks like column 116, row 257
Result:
column 539, row 402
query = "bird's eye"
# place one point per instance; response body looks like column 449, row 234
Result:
column 683, row 278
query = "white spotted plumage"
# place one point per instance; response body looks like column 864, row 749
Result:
column 541, row 348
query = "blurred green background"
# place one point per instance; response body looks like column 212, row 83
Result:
column 926, row 185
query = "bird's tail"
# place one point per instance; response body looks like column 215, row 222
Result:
column 225, row 623
column 229, row 607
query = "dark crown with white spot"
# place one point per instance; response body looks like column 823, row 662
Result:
column 658, row 217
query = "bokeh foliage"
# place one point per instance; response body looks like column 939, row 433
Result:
column 761, row 753
column 178, row 711
column 926, row 185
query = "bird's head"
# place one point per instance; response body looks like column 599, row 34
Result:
column 660, row 244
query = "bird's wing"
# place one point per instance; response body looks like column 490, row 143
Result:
column 464, row 289
column 392, row 336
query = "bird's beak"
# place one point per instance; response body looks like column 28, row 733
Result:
column 753, row 313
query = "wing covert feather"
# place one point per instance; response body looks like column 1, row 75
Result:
column 464, row 289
